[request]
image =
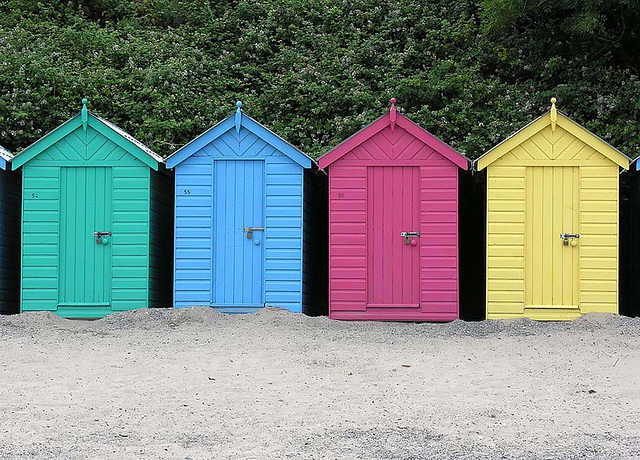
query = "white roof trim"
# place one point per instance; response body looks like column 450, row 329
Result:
column 130, row 138
column 5, row 154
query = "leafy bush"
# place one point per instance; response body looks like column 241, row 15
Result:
column 314, row 72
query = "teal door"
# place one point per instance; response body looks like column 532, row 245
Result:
column 238, row 232
column 85, row 260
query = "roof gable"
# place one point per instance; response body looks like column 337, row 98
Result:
column 390, row 121
column 557, row 131
column 236, row 121
column 104, row 127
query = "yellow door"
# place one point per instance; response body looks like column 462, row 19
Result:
column 552, row 280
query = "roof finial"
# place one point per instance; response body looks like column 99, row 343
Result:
column 393, row 114
column 84, row 114
column 553, row 113
column 238, row 117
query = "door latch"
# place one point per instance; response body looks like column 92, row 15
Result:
column 408, row 235
column 249, row 231
column 100, row 237
column 569, row 236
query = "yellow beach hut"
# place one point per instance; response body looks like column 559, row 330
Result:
column 552, row 221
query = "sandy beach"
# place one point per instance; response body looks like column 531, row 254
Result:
column 197, row 384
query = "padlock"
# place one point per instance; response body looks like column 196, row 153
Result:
column 249, row 234
column 98, row 240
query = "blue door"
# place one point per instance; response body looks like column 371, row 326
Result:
column 238, row 233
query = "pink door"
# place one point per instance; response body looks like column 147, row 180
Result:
column 393, row 265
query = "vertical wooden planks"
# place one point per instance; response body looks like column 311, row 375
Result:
column 85, row 267
column 551, row 272
column 546, row 256
column 238, row 260
column 568, row 224
column 393, row 282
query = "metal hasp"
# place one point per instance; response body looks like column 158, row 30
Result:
column 567, row 236
column 408, row 235
column 100, row 237
column 250, row 230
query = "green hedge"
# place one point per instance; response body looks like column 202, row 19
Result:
column 314, row 72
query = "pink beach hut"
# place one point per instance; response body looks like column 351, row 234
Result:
column 393, row 224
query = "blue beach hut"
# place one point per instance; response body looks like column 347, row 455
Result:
column 10, row 188
column 249, row 221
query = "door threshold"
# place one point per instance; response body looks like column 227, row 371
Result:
column 393, row 305
column 237, row 305
column 552, row 307
column 83, row 304
column 238, row 309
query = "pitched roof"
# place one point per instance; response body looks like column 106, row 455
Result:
column 392, row 117
column 542, row 122
column 84, row 117
column 239, row 119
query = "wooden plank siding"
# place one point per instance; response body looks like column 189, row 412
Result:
column 283, row 233
column 347, row 238
column 130, row 239
column 439, row 238
column 546, row 181
column 40, row 236
column 395, row 150
column 129, row 217
column 599, row 239
column 194, row 232
column 505, row 239
column 198, row 196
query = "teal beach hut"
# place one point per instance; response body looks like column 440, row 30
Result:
column 9, row 235
column 96, row 221
column 249, row 225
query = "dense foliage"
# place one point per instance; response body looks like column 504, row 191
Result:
column 470, row 72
